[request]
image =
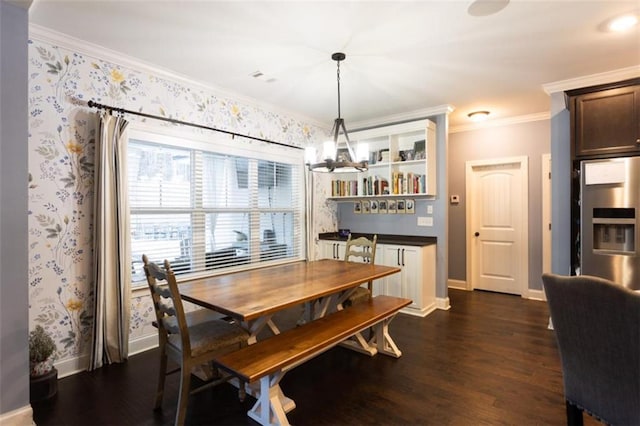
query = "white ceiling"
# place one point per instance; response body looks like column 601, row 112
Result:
column 401, row 55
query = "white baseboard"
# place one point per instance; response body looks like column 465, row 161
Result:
column 143, row 344
column 71, row 366
column 20, row 417
column 536, row 295
column 419, row 312
column 443, row 303
column 457, row 284
column 74, row 365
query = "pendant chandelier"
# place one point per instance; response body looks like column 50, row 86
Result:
column 334, row 159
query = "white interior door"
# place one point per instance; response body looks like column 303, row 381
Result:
column 497, row 197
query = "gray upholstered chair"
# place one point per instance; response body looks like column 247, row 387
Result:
column 597, row 326
column 190, row 344
column 366, row 249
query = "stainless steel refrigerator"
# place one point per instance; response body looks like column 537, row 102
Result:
column 609, row 209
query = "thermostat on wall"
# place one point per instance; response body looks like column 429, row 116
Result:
column 455, row 199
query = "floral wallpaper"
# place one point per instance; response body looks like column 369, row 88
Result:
column 62, row 131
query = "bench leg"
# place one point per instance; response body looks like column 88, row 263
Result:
column 358, row 343
column 383, row 340
column 271, row 406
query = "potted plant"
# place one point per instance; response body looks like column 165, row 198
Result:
column 42, row 373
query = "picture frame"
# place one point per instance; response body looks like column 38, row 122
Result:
column 357, row 207
column 400, row 206
column 410, row 206
column 366, row 207
column 419, row 152
column 392, row 207
column 374, row 206
column 382, row 207
column 407, row 155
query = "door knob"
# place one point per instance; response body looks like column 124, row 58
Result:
column 477, row 234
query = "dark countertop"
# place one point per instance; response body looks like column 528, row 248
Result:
column 405, row 240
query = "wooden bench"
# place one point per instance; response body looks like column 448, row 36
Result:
column 268, row 360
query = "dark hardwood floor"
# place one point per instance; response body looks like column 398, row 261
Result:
column 488, row 360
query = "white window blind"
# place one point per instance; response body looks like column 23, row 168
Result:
column 205, row 207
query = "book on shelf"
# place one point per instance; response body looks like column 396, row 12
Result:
column 407, row 183
column 374, row 185
column 344, row 188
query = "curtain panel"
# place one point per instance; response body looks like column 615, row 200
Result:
column 112, row 272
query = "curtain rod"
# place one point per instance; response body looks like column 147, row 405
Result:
column 93, row 104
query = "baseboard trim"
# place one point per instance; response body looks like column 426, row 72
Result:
column 143, row 344
column 80, row 363
column 536, row 295
column 419, row 312
column 70, row 366
column 443, row 303
column 19, row 417
column 457, row 284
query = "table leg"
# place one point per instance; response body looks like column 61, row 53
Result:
column 256, row 326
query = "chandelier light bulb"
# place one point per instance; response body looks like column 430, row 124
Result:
column 328, row 150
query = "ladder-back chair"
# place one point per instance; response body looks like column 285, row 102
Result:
column 188, row 344
column 366, row 249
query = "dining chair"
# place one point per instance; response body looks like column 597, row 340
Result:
column 597, row 327
column 188, row 344
column 366, row 249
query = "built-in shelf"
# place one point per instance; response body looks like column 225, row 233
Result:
column 402, row 164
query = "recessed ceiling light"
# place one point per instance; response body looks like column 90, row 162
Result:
column 486, row 7
column 623, row 23
column 478, row 115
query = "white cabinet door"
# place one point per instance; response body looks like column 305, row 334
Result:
column 332, row 249
column 392, row 285
column 417, row 279
column 412, row 275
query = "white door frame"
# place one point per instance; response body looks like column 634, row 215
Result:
column 523, row 161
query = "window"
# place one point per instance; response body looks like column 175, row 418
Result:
column 206, row 205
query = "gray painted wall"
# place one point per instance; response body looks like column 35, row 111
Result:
column 406, row 224
column 531, row 139
column 561, row 189
column 14, row 297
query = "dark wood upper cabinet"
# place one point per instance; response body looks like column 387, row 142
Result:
column 605, row 120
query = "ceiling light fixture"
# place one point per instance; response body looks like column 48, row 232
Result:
column 623, row 23
column 334, row 160
column 478, row 115
column 486, row 7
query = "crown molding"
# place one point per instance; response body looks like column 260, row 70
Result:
column 592, row 80
column 508, row 121
column 402, row 117
column 96, row 51
column 24, row 4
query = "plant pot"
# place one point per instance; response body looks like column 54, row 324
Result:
column 44, row 386
column 40, row 368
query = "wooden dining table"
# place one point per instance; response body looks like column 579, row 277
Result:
column 253, row 296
